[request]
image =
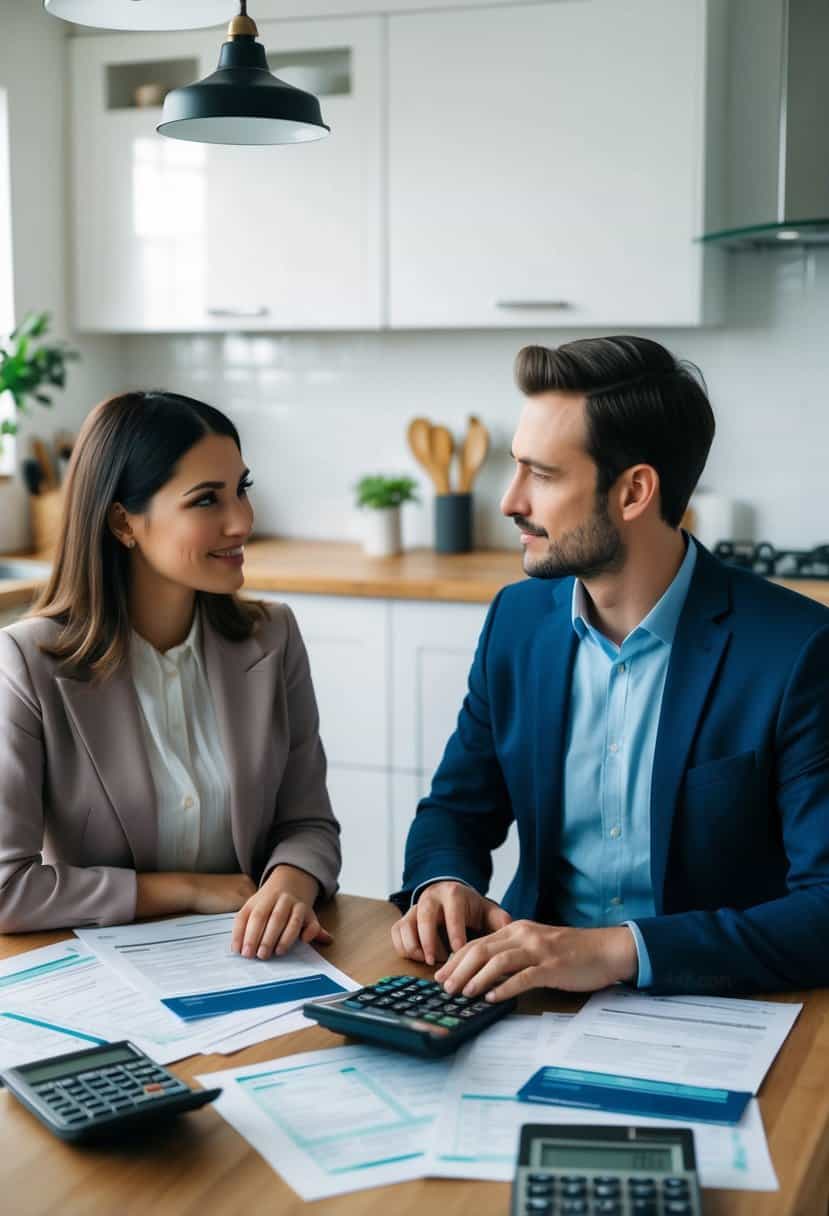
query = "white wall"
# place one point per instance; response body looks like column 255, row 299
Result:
column 33, row 71
column 317, row 411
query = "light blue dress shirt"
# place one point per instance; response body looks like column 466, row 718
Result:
column 603, row 872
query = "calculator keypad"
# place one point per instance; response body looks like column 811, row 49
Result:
column 547, row 1194
column 419, row 1000
column 105, row 1092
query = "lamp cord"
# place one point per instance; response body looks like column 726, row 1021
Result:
column 243, row 12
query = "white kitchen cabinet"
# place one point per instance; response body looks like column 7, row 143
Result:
column 546, row 165
column 432, row 650
column 347, row 647
column 360, row 799
column 295, row 232
column 172, row 235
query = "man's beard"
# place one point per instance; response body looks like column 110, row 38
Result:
column 593, row 548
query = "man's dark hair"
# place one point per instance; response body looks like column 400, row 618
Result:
column 643, row 406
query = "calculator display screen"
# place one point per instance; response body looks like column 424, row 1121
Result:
column 555, row 1155
column 65, row 1068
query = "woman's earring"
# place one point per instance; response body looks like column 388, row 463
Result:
column 130, row 544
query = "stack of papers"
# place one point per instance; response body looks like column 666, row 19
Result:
column 341, row 1120
column 155, row 984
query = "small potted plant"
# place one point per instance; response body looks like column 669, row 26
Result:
column 29, row 367
column 383, row 498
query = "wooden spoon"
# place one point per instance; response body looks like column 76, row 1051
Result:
column 474, row 452
column 419, row 434
column 442, row 447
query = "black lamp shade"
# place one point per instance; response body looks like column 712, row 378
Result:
column 242, row 102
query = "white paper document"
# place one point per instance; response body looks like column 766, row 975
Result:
column 187, row 964
column 694, row 1040
column 338, row 1120
column 477, row 1131
column 62, row 998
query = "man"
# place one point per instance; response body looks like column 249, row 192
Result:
column 656, row 722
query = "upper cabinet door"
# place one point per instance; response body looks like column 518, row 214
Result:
column 545, row 164
column 139, row 201
column 294, row 232
column 171, row 235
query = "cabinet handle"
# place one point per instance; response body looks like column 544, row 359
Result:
column 238, row 313
column 558, row 305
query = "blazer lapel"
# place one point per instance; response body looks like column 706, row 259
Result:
column 699, row 646
column 241, row 678
column 552, row 656
column 107, row 718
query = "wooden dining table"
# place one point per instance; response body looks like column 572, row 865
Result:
column 198, row 1165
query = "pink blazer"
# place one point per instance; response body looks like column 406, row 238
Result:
column 77, row 802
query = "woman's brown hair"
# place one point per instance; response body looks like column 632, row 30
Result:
column 127, row 450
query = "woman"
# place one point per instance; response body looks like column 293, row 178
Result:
column 159, row 746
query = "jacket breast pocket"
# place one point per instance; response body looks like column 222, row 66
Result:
column 729, row 770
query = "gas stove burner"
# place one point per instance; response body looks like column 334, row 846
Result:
column 763, row 558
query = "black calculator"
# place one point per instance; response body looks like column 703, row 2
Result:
column 588, row 1169
column 102, row 1090
column 409, row 1014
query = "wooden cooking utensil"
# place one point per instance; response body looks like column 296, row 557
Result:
column 43, row 457
column 473, row 453
column 442, row 447
column 419, row 434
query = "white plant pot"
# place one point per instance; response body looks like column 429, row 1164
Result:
column 381, row 531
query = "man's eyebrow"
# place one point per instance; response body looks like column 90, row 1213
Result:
column 534, row 464
column 214, row 485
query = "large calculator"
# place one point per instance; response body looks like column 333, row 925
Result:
column 99, row 1091
column 594, row 1170
column 409, row 1014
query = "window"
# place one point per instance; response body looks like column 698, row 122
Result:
column 7, row 453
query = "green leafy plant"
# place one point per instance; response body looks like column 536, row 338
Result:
column 381, row 492
column 29, row 367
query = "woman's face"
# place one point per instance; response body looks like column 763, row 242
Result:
column 195, row 526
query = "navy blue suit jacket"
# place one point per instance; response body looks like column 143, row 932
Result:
column 740, row 787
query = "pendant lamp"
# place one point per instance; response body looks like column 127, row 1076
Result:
column 143, row 14
column 242, row 102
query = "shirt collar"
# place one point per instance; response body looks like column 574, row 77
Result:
column 142, row 649
column 662, row 620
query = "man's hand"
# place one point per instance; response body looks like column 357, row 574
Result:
column 281, row 911
column 452, row 905
column 525, row 955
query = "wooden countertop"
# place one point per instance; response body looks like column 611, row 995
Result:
column 338, row 568
column 201, row 1164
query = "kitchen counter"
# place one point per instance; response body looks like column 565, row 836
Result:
column 340, row 568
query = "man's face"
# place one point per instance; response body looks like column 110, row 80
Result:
column 565, row 526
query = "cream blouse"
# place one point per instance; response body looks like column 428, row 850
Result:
column 185, row 753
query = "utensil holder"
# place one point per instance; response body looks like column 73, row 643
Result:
column 45, row 514
column 453, row 523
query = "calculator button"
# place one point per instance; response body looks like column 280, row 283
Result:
column 677, row 1207
column 643, row 1207
column 607, row 1207
column 450, row 1022
column 574, row 1206
column 537, row 1178
column 674, row 1186
column 605, row 1188
column 352, row 1005
column 537, row 1205
column 574, row 1190
column 366, row 997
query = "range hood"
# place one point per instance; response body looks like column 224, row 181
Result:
column 776, row 189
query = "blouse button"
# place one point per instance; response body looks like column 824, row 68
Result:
column 187, row 802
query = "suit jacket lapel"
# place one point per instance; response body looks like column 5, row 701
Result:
column 242, row 680
column 107, row 718
column 552, row 656
column 699, row 646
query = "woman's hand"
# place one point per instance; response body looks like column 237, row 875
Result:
column 279, row 913
column 215, row 893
